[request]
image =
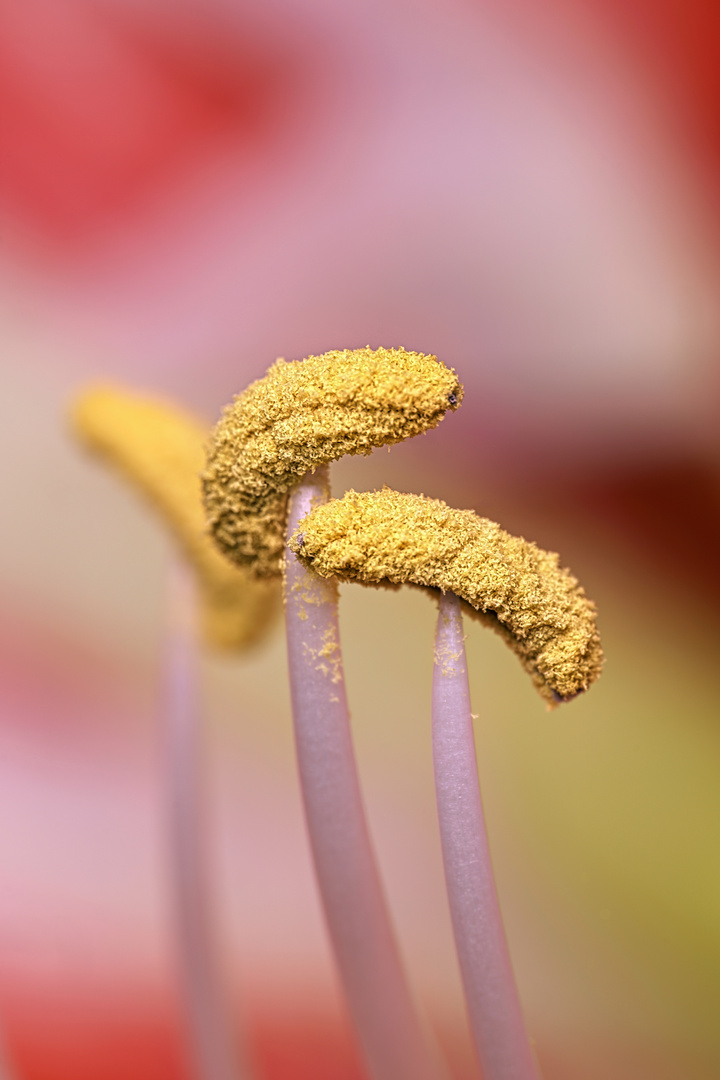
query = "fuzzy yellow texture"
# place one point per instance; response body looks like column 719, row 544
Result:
column 307, row 413
column 160, row 449
column 540, row 609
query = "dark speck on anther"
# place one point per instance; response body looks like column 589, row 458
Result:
column 301, row 539
column 452, row 399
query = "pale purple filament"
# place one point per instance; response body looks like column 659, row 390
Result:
column 212, row 1042
column 389, row 1031
column 492, row 1000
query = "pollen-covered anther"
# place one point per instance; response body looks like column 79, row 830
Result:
column 304, row 414
column 386, row 538
column 160, row 449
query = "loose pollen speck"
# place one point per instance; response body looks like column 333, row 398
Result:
column 307, row 413
column 385, row 538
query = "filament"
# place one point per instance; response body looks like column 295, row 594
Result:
column 214, row 1047
column 387, row 1025
column 492, row 1000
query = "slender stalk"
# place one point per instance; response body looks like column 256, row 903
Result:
column 387, row 1026
column 492, row 999
column 212, row 1043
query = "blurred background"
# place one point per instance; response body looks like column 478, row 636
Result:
column 191, row 189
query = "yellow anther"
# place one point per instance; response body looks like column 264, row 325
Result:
column 385, row 538
column 307, row 413
column 160, row 449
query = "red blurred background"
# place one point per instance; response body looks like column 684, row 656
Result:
column 189, row 190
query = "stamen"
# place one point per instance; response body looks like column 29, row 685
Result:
column 384, row 538
column 160, row 449
column 492, row 1000
column 383, row 1014
column 297, row 419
